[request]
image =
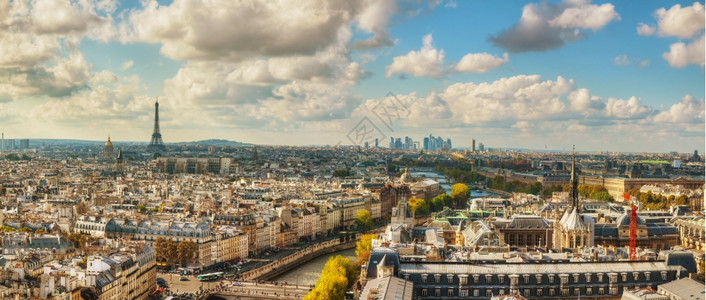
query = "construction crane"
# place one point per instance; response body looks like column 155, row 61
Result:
column 633, row 226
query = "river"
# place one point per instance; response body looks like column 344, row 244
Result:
column 446, row 185
column 310, row 272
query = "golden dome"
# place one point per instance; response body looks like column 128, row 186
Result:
column 109, row 143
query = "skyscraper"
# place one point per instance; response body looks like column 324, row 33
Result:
column 473, row 145
column 156, row 143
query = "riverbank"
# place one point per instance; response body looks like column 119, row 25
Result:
column 293, row 260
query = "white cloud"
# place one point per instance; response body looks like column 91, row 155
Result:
column 126, row 65
column 689, row 110
column 644, row 63
column 645, row 30
column 582, row 100
column 627, row 109
column 681, row 22
column 586, row 16
column 522, row 97
column 480, row 62
column 681, row 54
column 58, row 16
column 546, row 26
column 428, row 61
column 621, row 60
column 235, row 30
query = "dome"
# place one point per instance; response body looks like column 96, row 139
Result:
column 405, row 176
column 624, row 220
column 109, row 143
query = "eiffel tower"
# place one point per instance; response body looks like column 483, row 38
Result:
column 156, row 143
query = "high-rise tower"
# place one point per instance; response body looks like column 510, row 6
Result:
column 156, row 143
column 574, row 183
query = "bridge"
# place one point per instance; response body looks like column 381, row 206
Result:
column 257, row 290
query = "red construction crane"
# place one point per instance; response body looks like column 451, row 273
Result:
column 633, row 226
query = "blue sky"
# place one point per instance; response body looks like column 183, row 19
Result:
column 604, row 75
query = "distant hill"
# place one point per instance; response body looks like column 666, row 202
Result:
column 72, row 142
column 215, row 142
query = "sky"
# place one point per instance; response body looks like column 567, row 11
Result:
column 622, row 76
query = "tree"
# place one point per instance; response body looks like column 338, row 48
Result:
column 25, row 229
column 341, row 173
column 171, row 253
column 186, row 251
column 419, row 207
column 160, row 249
column 141, row 207
column 363, row 220
column 363, row 247
column 460, row 194
column 337, row 275
column 439, row 202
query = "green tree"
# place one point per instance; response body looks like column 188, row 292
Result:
column 440, row 201
column 341, row 173
column 460, row 194
column 682, row 200
column 363, row 220
column 25, row 229
column 141, row 207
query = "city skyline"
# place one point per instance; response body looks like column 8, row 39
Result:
column 604, row 75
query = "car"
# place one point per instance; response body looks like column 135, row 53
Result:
column 182, row 278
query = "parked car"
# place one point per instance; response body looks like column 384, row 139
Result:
column 182, row 278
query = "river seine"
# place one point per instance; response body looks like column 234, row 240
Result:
column 309, row 272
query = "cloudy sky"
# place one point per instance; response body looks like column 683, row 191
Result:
column 606, row 76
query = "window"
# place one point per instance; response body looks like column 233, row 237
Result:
column 475, row 278
column 527, row 292
column 476, row 293
column 564, row 292
column 551, row 278
column 613, row 277
column 501, row 278
column 520, row 239
column 589, row 291
column 463, row 279
column 437, row 292
column 647, row 276
column 624, row 276
column 552, row 292
column 614, row 290
column 538, row 278
column 664, row 275
column 501, row 292
column 577, row 291
column 437, row 278
column 424, row 278
column 488, row 293
column 488, row 278
column 463, row 293
column 538, row 240
column 512, row 239
column 635, row 276
column 539, row 292
column 564, row 278
column 525, row 277
column 450, row 278
column 406, row 276
column 450, row 293
column 588, row 277
column 425, row 292
column 600, row 277
column 576, row 278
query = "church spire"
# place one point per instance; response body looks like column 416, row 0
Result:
column 574, row 182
